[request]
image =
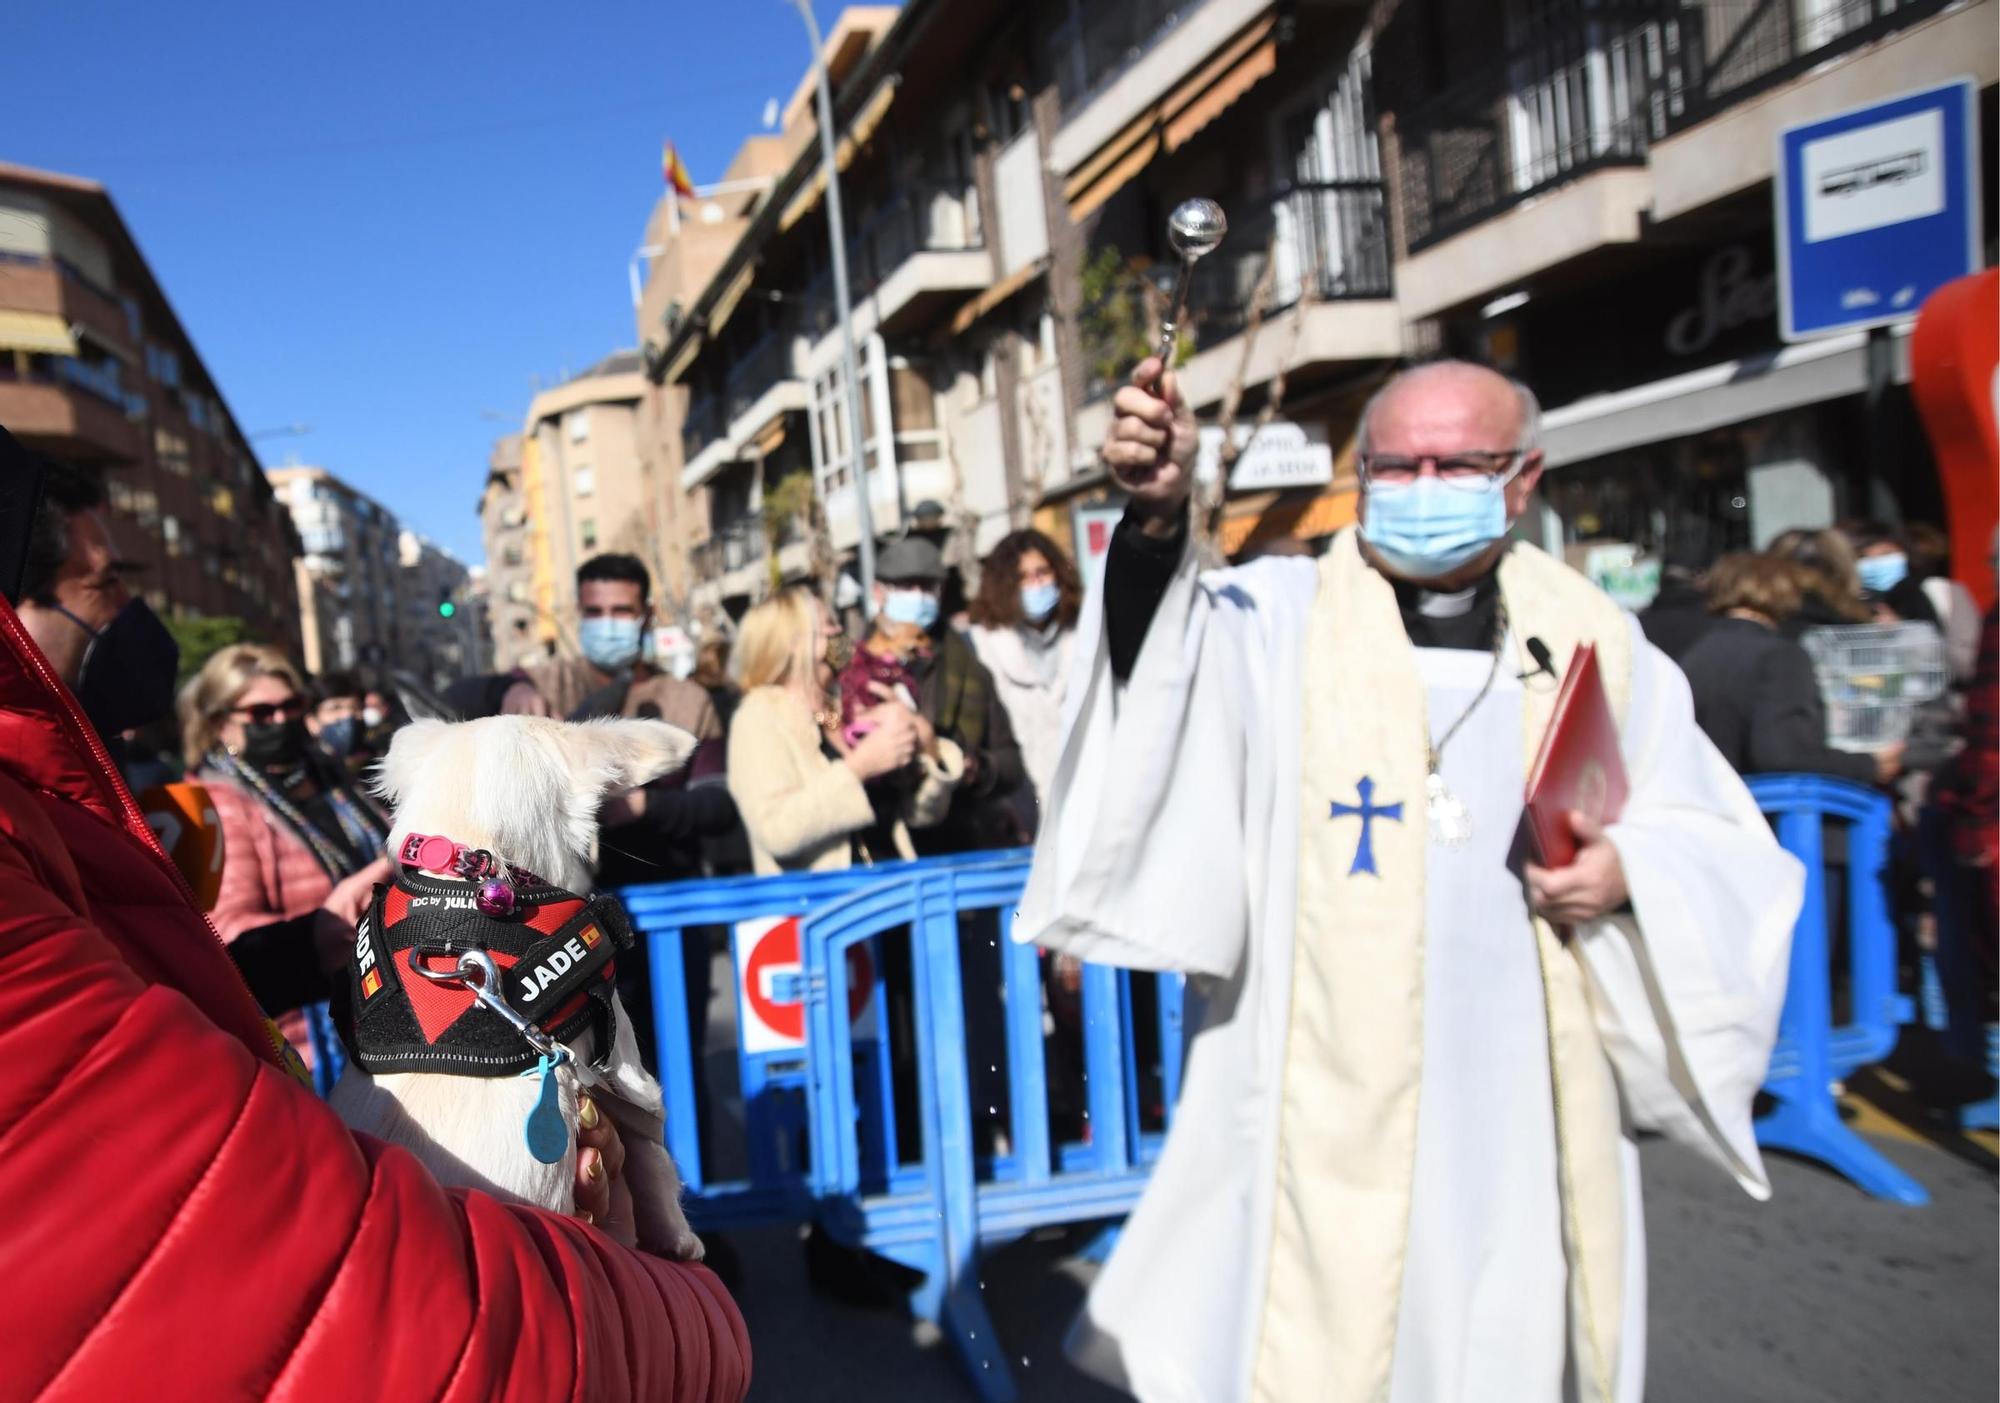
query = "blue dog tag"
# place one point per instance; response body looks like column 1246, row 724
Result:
column 548, row 1137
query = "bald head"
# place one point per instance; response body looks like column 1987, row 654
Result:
column 1448, row 407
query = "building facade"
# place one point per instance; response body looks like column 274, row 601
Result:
column 585, row 488
column 509, row 577
column 349, row 571
column 441, row 632
column 96, row 371
column 1577, row 192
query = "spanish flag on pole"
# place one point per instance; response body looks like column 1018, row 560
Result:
column 676, row 174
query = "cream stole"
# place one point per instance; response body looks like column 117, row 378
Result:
column 1353, row 1059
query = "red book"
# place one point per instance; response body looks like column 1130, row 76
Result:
column 1579, row 768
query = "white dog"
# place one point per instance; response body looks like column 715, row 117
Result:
column 527, row 790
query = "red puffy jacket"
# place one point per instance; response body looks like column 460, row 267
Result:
column 185, row 1221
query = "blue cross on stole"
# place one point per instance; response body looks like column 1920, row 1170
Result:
column 1367, row 812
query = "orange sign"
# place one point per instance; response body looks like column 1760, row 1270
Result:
column 183, row 818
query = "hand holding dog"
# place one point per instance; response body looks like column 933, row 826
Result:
column 602, row 1195
column 889, row 746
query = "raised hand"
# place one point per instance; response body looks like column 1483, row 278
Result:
column 1151, row 447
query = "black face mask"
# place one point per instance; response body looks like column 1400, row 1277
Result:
column 128, row 672
column 273, row 745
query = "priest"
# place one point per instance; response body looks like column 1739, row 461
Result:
column 1403, row 1166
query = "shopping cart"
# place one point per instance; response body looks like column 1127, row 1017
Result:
column 1873, row 678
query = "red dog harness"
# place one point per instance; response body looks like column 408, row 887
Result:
column 418, row 998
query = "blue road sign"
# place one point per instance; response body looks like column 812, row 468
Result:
column 1878, row 207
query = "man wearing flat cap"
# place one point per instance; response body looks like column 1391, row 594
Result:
column 909, row 648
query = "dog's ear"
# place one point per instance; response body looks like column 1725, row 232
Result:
column 627, row 753
column 397, row 771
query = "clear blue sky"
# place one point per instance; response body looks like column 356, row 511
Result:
column 385, row 220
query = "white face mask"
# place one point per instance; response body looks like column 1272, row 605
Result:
column 372, row 716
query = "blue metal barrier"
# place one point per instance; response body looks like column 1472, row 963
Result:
column 329, row 1054
column 1812, row 1054
column 772, row 1082
column 937, row 1221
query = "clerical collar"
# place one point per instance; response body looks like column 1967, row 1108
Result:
column 1436, row 604
column 1455, row 619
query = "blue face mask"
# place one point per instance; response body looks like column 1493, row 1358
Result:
column 911, row 606
column 1039, row 601
column 340, row 737
column 1882, row 573
column 1427, row 529
column 610, row 644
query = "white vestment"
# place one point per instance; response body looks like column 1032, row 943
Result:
column 1171, row 840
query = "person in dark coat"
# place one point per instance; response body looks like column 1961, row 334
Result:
column 1678, row 616
column 1754, row 690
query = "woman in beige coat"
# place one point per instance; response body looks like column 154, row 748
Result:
column 810, row 799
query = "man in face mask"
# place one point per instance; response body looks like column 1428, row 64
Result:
column 113, row 654
column 912, row 655
column 656, row 833
column 105, row 643
column 1303, row 781
column 338, row 719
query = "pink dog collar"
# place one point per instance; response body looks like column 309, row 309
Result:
column 498, row 893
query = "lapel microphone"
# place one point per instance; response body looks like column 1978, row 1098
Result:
column 1544, row 663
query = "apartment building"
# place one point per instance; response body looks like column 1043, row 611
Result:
column 349, row 573
column 1576, row 190
column 585, row 488
column 1584, row 197
column 509, row 572
column 443, row 634
column 97, row 371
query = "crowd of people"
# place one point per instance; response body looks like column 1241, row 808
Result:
column 827, row 739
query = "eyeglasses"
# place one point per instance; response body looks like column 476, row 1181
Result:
column 264, row 713
column 1469, row 472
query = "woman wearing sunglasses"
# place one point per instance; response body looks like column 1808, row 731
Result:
column 296, row 832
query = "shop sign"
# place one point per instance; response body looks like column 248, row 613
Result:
column 1277, row 454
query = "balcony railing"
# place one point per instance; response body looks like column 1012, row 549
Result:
column 1593, row 83
column 763, row 366
column 921, row 218
column 1328, row 238
column 704, row 424
column 737, row 544
column 1583, row 93
column 1723, row 51
column 1103, row 38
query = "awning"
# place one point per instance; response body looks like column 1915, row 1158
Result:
column 996, row 294
column 1172, row 121
column 42, row 333
column 858, row 133
column 1715, row 396
column 1267, row 516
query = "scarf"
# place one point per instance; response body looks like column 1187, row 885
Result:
column 362, row 828
column 1353, row 1061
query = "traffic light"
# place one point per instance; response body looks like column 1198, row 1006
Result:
column 447, row 606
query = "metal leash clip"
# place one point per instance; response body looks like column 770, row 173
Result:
column 478, row 973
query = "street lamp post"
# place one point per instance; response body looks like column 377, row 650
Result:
column 850, row 362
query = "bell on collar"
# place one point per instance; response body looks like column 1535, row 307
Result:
column 496, row 897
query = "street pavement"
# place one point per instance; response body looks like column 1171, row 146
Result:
column 1822, row 1295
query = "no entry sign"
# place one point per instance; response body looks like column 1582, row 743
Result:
column 768, row 1018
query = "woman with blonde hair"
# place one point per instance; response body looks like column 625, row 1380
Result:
column 812, row 796
column 297, row 837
